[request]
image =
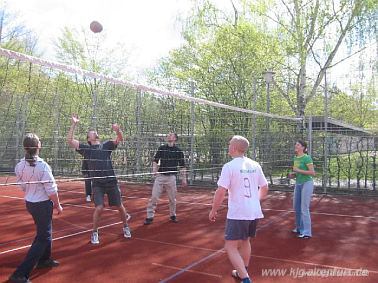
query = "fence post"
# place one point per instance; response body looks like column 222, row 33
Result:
column 55, row 141
column 94, row 108
column 19, row 116
column 374, row 157
column 325, row 146
column 254, row 153
column 192, row 123
column 138, row 133
column 309, row 135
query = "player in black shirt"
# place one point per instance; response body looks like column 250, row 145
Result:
column 98, row 158
column 164, row 167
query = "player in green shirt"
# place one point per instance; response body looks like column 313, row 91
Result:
column 303, row 171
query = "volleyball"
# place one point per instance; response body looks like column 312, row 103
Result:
column 95, row 27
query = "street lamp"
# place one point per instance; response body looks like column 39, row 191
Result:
column 268, row 77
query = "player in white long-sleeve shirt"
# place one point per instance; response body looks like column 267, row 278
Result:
column 246, row 185
column 41, row 196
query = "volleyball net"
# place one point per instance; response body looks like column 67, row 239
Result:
column 40, row 96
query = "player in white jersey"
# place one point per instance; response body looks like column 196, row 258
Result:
column 246, row 185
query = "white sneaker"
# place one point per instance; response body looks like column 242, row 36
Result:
column 95, row 238
column 235, row 274
column 88, row 198
column 126, row 232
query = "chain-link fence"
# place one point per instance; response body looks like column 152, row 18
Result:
column 40, row 96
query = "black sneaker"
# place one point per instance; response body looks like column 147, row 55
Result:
column 48, row 263
column 148, row 221
column 14, row 278
column 173, row 219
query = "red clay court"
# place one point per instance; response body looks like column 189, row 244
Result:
column 344, row 247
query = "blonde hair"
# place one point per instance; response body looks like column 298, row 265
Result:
column 241, row 143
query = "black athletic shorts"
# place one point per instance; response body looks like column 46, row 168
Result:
column 113, row 192
column 240, row 229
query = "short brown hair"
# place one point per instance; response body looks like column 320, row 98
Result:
column 31, row 144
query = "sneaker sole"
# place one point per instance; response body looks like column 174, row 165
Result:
column 235, row 274
column 147, row 222
column 303, row 237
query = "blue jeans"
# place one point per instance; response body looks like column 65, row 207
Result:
column 40, row 249
column 301, row 203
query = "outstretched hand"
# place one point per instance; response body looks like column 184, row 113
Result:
column 291, row 175
column 75, row 119
column 115, row 127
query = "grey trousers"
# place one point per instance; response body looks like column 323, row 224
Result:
column 162, row 182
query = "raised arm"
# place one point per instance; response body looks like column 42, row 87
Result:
column 70, row 137
column 118, row 131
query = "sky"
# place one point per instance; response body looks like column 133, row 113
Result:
column 148, row 28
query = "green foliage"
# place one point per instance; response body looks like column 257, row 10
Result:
column 345, row 168
column 88, row 51
column 14, row 35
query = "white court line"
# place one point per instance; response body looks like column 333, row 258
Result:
column 190, row 266
column 59, row 219
column 69, row 204
column 190, row 271
column 62, row 237
column 325, row 213
column 64, row 204
column 268, row 209
column 201, row 260
column 255, row 255
column 86, row 206
column 176, row 245
column 209, row 204
column 215, row 252
column 5, row 196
